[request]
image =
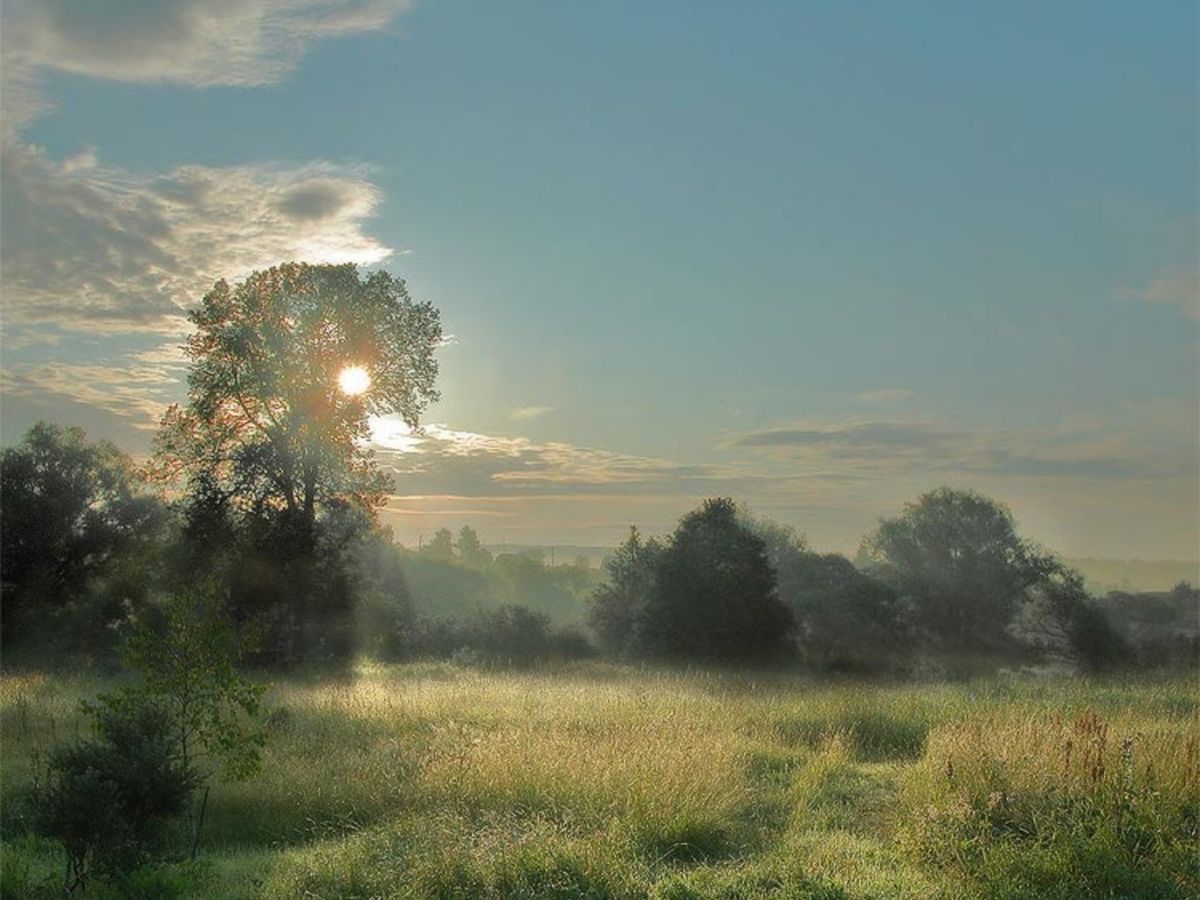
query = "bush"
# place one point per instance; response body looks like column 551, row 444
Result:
column 107, row 800
column 510, row 635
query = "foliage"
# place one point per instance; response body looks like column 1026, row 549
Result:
column 1064, row 621
column 846, row 621
column 108, row 800
column 617, row 604
column 849, row 621
column 78, row 540
column 265, row 421
column 714, row 594
column 956, row 557
column 449, row 585
column 187, row 662
column 510, row 635
column 1161, row 627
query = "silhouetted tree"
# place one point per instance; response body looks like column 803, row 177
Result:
column 1162, row 627
column 1063, row 621
column 714, row 595
column 470, row 550
column 617, row 605
column 957, row 558
column 265, row 421
column 79, row 540
column 273, row 453
column 441, row 546
column 845, row 620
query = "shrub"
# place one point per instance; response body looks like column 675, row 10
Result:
column 107, row 800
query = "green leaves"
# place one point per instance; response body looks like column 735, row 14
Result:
column 187, row 661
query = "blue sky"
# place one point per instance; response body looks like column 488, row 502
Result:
column 820, row 256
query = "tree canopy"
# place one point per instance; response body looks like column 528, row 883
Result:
column 75, row 513
column 269, row 420
column 714, row 595
column 957, row 557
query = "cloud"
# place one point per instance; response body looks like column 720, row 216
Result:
column 884, row 395
column 137, row 394
column 1082, row 448
column 440, row 461
column 196, row 42
column 534, row 491
column 867, row 438
column 94, row 247
column 97, row 248
column 1180, row 289
column 525, row 413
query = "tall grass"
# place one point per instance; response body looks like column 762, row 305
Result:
column 600, row 781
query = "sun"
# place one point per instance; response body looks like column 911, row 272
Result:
column 353, row 380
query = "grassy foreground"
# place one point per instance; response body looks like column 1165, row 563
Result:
column 428, row 781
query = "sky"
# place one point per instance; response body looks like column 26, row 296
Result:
column 820, row 257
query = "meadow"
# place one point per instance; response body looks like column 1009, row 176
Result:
column 596, row 780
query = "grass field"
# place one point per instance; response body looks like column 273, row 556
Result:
column 435, row 781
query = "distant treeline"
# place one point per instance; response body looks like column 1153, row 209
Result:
column 946, row 586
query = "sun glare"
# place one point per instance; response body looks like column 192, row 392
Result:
column 353, row 380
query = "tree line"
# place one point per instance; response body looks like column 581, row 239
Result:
column 264, row 485
column 948, row 584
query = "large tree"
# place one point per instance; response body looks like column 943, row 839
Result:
column 957, row 558
column 78, row 537
column 285, row 369
column 272, row 446
column 714, row 595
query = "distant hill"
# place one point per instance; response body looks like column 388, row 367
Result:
column 1103, row 575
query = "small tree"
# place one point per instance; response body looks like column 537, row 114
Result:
column 78, row 536
column 187, row 659
column 441, row 547
column 108, row 800
column 1062, row 620
column 470, row 550
column 617, row 604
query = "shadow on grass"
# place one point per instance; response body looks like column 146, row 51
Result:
column 870, row 736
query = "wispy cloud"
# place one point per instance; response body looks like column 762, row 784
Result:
column 438, row 460
column 526, row 413
column 1178, row 289
column 137, row 394
column 196, row 42
column 883, row 447
column 884, row 395
column 97, row 248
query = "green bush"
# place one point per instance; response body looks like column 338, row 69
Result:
column 108, row 800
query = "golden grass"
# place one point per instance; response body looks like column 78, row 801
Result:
column 602, row 781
